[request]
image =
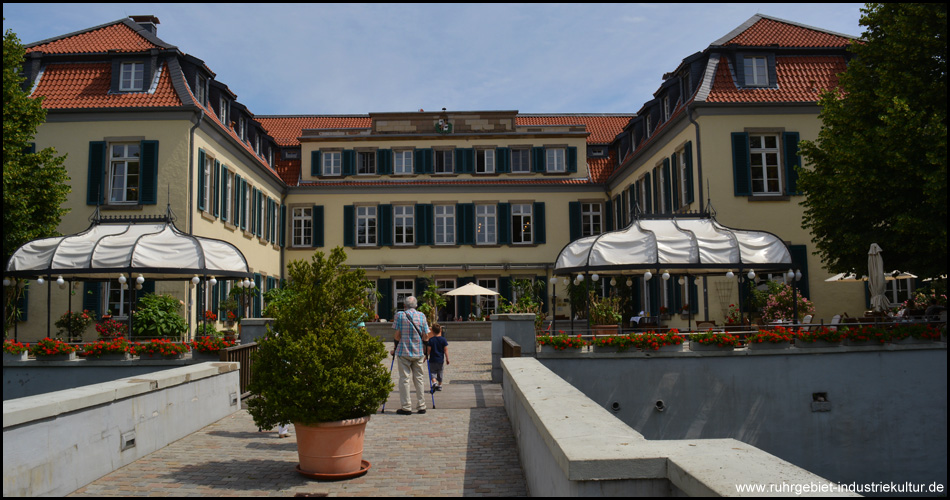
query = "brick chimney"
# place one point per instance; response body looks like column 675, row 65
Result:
column 147, row 22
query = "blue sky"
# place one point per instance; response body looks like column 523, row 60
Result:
column 362, row 58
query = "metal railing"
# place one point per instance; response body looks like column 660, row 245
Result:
column 241, row 354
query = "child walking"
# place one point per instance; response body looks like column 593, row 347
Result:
column 438, row 353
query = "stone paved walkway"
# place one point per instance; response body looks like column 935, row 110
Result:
column 462, row 447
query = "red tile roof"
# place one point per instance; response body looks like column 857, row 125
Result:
column 800, row 79
column 765, row 32
column 286, row 129
column 602, row 128
column 445, row 182
column 86, row 85
column 112, row 38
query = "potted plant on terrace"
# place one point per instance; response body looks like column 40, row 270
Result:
column 209, row 347
column 49, row 349
column 821, row 336
column 612, row 343
column 318, row 370
column 777, row 338
column 652, row 341
column 109, row 328
column 604, row 314
column 158, row 317
column 114, row 349
column 159, row 348
column 14, row 351
column 560, row 342
column 712, row 341
column 73, row 324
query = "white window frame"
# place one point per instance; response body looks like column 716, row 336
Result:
column 262, row 215
column 369, row 159
column 235, row 200
column 555, row 160
column 642, row 188
column 131, row 76
column 484, row 161
column 226, row 210
column 447, row 165
column 404, row 225
column 649, row 125
column 111, row 287
column 201, row 89
column 302, row 226
column 367, row 227
column 402, row 162
column 487, row 303
column 760, row 158
column 223, row 110
column 247, row 208
column 666, row 108
column 592, row 219
column 486, row 224
column 523, row 164
column 402, row 288
column 660, row 194
column 208, row 173
column 444, row 216
column 332, row 163
column 522, row 220
column 125, row 173
column 756, row 69
column 684, row 182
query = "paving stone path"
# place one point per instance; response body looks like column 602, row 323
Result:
column 462, row 447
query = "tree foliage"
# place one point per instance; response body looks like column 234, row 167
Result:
column 880, row 160
column 34, row 182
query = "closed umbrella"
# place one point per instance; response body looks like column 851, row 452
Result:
column 876, row 282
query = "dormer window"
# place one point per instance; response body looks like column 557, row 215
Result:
column 131, row 76
column 201, row 90
column 223, row 110
column 756, row 73
column 649, row 125
column 666, row 108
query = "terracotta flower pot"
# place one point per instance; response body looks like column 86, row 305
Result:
column 331, row 447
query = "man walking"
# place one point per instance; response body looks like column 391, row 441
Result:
column 411, row 331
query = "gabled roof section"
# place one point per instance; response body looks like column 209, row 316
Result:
column 602, row 127
column 86, row 85
column 287, row 129
column 761, row 31
column 122, row 36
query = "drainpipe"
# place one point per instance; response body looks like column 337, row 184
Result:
column 191, row 197
column 699, row 176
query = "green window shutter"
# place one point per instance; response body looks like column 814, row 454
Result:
column 349, row 226
column 465, row 160
column 572, row 159
column 465, row 223
column 609, row 215
column 675, row 181
column 421, row 285
column 424, row 224
column 688, row 153
column 632, row 196
column 544, row 295
column 283, row 224
column 504, row 224
column 315, row 168
column 504, row 288
column 201, row 179
column 384, row 224
column 224, row 190
column 243, row 204
column 677, row 291
column 667, row 187
column 384, row 308
column 214, row 296
column 419, row 159
column 648, row 202
column 538, row 160
column 147, row 288
column 637, row 295
column 502, row 160
column 217, row 183
column 91, row 295
column 540, row 231
column 790, row 140
column 349, row 162
column 318, row 231
column 465, row 303
column 384, row 161
column 257, row 297
column 149, row 170
column 654, row 286
column 95, row 181
column 693, row 295
column 800, row 262
column 741, row 175
column 574, row 218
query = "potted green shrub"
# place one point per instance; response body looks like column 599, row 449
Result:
column 157, row 316
column 318, row 370
column 604, row 314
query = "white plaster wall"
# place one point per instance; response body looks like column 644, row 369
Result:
column 58, row 442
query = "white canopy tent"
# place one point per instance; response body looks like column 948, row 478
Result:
column 693, row 245
column 133, row 248
column 684, row 244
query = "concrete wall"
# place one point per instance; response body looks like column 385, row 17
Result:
column 56, row 443
column 884, row 418
column 30, row 378
column 571, row 446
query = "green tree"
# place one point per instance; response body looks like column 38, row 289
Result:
column 35, row 183
column 880, row 160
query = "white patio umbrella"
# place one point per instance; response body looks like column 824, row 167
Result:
column 470, row 289
column 876, row 283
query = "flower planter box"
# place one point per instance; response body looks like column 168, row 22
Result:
column 816, row 344
column 696, row 346
column 23, row 356
column 57, row 357
column 204, row 356
column 111, row 356
column 864, row 343
column 546, row 349
column 912, row 341
column 765, row 346
column 150, row 356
